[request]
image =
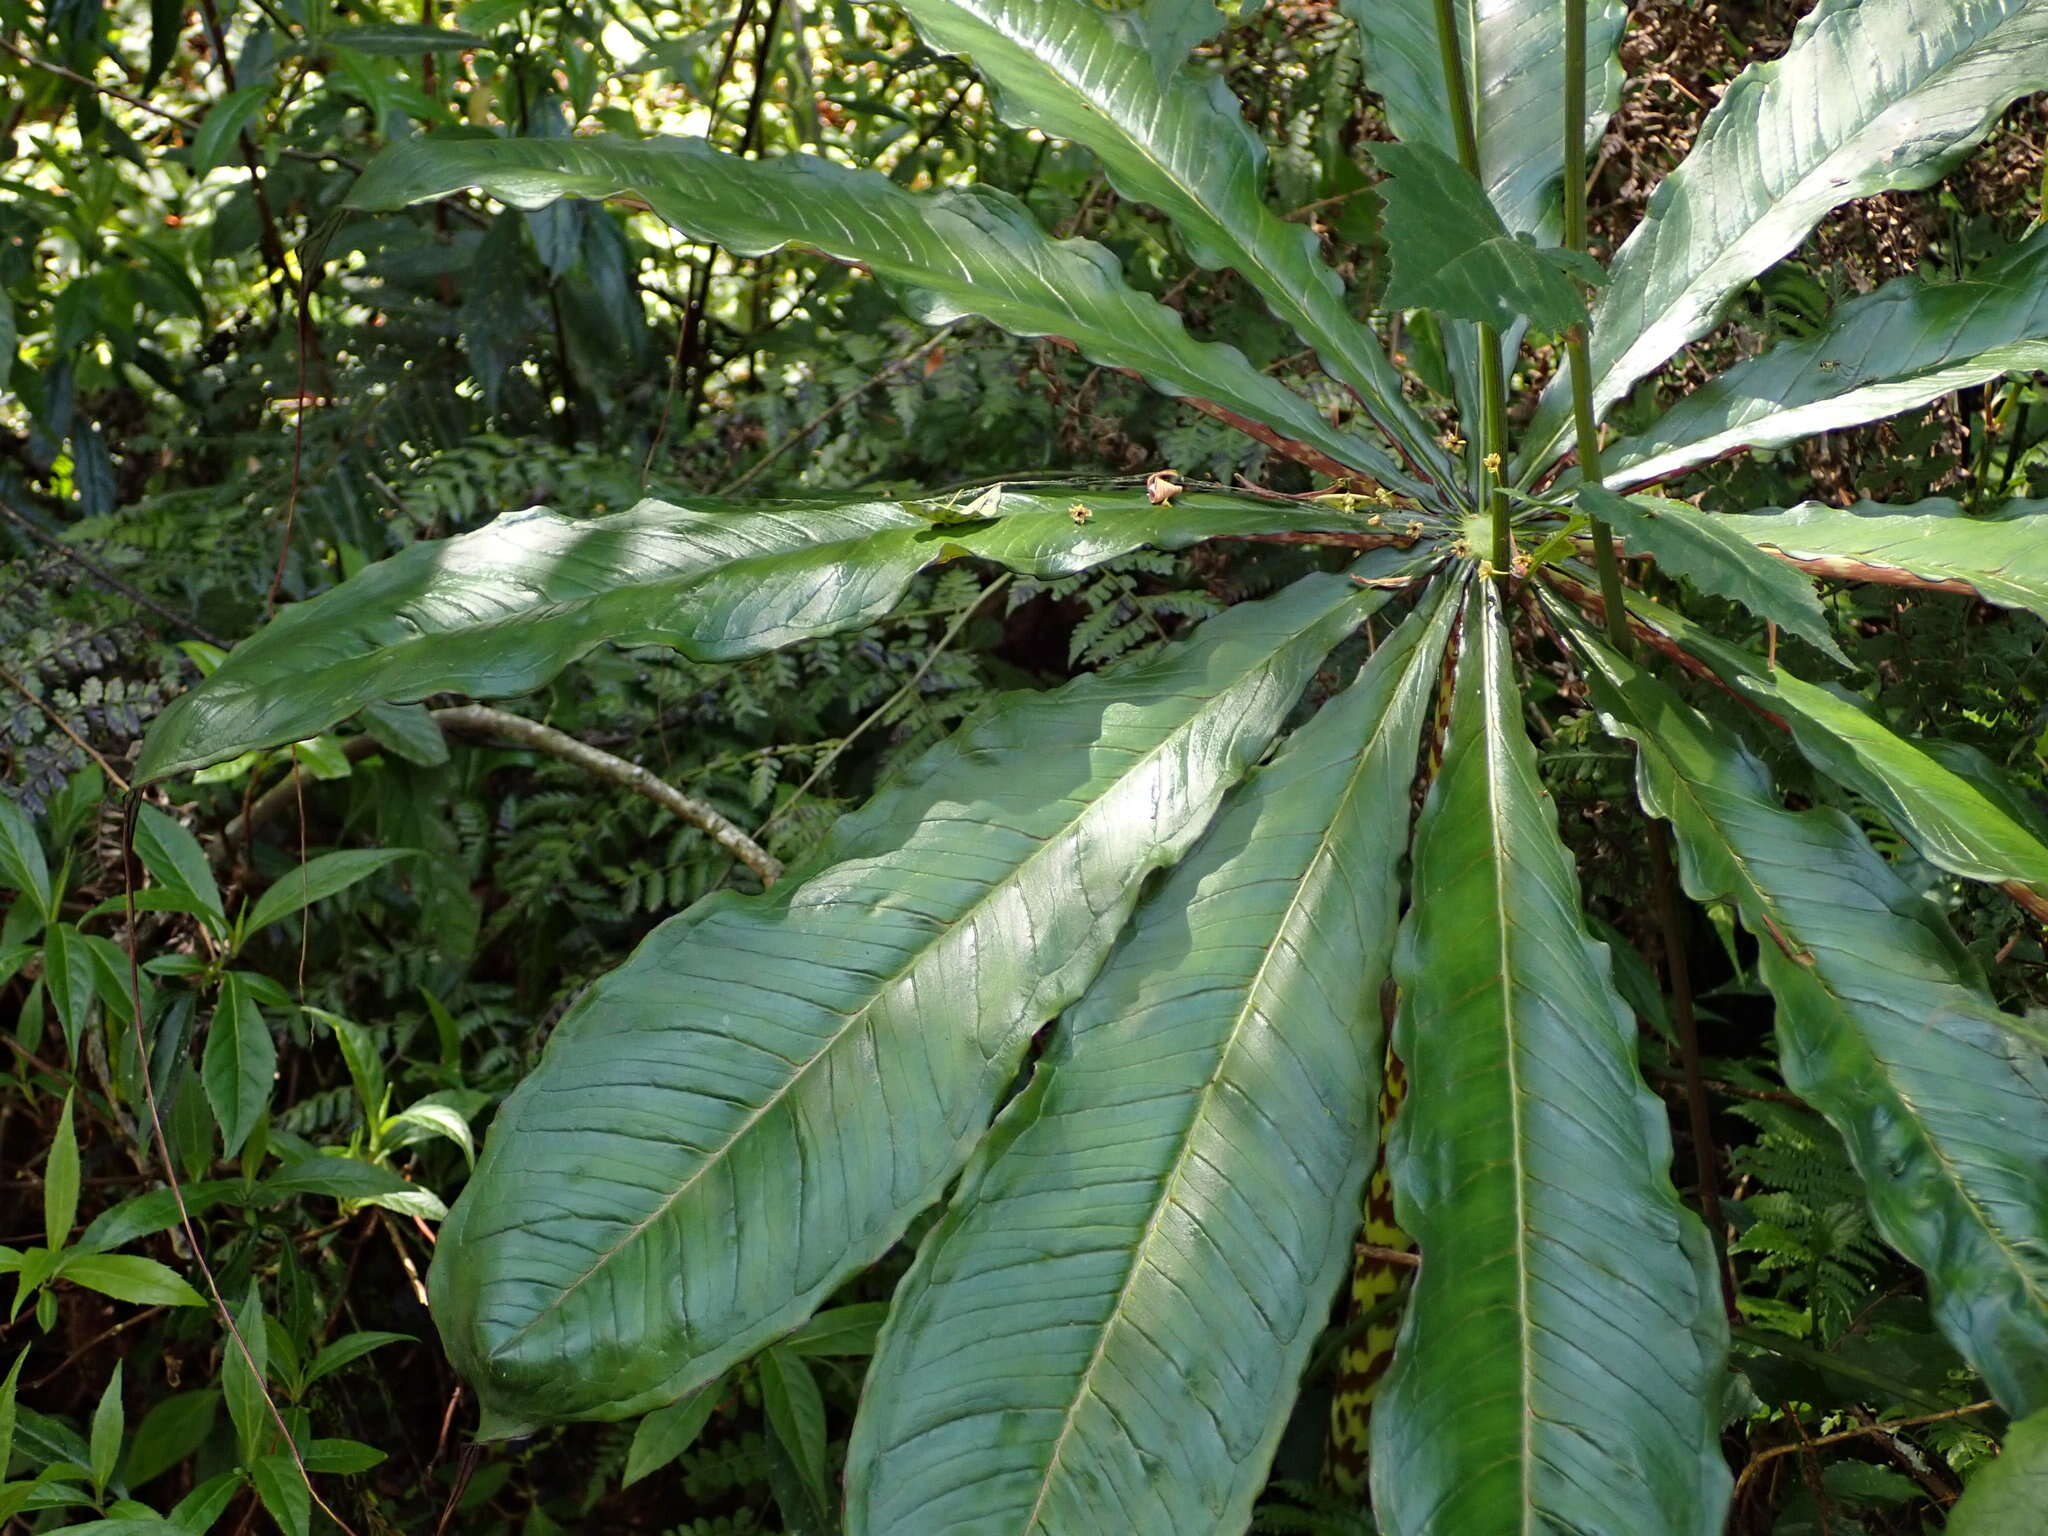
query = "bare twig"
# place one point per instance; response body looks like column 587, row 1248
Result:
column 107, row 578
column 481, row 720
column 1882, row 1427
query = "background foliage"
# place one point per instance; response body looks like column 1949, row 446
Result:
column 220, row 391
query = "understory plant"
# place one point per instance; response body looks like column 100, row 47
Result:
column 1181, row 902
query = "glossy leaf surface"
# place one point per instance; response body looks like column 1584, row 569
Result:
column 1872, row 96
column 1160, row 1217
column 1559, row 1361
column 502, row 610
column 1944, row 1111
column 968, row 251
column 1513, row 56
column 755, row 1104
column 1910, row 342
column 1080, row 71
column 1702, row 548
column 2003, row 559
column 1453, row 254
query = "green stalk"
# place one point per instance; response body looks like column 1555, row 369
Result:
column 1493, row 403
column 1576, row 353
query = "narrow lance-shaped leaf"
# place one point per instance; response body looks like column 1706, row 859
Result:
column 2002, row 559
column 1558, row 1364
column 1963, row 825
column 1159, row 1219
column 755, row 1105
column 502, row 610
column 1079, row 71
column 1702, row 548
column 1910, row 342
column 1944, row 1110
column 1872, row 96
column 966, row 251
column 1514, row 70
column 1453, row 254
column 239, row 1064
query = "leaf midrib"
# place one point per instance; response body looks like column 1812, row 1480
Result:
column 1040, row 850
column 1925, row 1135
column 1296, row 904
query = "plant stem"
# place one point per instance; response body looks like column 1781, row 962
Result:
column 1578, row 356
column 1493, row 409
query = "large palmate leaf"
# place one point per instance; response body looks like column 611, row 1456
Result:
column 1944, row 1110
column 1160, row 1218
column 1513, row 55
column 754, row 1105
column 947, row 254
column 1557, row 1364
column 1178, row 141
column 1910, row 342
column 1872, row 96
column 1704, row 550
column 2002, row 559
column 1959, row 823
column 502, row 610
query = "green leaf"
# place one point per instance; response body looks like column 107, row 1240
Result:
column 848, row 1330
column 1965, row 825
column 1705, row 550
column 284, row 1492
column 408, row 730
column 1453, row 254
column 668, row 1432
column 348, row 1349
column 317, row 879
column 242, row 1369
column 171, row 853
column 22, row 864
column 128, row 1277
column 2002, row 559
column 196, row 1513
column 359, row 1054
column 418, row 1122
column 2008, row 1494
column 172, row 1430
column 1910, row 342
column 240, row 1063
column 215, row 143
column 502, row 610
column 401, row 40
column 8, row 1410
column 60, row 1181
column 637, row 1223
column 1872, row 96
column 796, row 1414
column 151, row 1212
column 68, row 974
column 1157, row 1305
column 946, row 254
column 345, row 1458
column 345, row 1178
column 1559, row 1363
column 1515, row 66
column 109, row 1423
column 1076, row 70
column 1945, row 1114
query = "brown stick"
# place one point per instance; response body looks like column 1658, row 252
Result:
column 1806, row 1442
column 481, row 720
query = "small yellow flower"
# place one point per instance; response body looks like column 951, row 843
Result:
column 1452, row 442
column 1080, row 512
column 1492, row 463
